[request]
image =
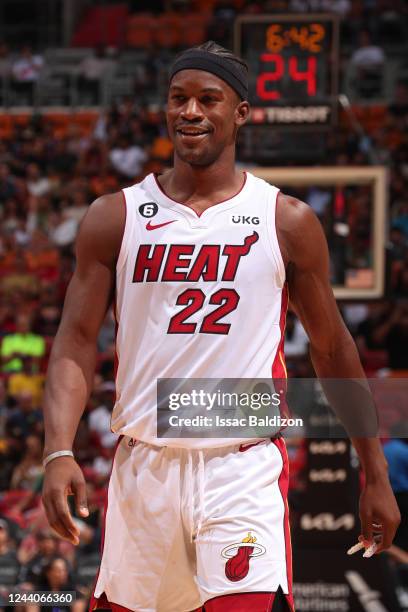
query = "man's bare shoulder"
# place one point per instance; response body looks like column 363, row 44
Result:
column 299, row 231
column 101, row 231
column 291, row 213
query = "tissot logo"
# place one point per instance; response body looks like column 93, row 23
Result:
column 244, row 220
column 327, row 522
column 326, row 447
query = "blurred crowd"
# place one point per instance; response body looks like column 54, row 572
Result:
column 46, row 185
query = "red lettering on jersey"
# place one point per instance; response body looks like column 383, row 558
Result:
column 150, row 262
column 173, row 261
column 205, row 264
column 180, row 266
column 234, row 252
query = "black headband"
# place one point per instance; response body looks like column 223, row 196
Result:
column 222, row 67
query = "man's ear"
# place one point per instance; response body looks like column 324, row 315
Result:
column 242, row 113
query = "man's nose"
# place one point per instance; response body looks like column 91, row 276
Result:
column 192, row 110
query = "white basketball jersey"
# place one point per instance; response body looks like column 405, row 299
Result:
column 197, row 296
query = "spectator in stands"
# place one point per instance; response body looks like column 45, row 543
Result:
column 26, row 70
column 37, row 183
column 400, row 287
column 398, row 258
column 49, row 311
column 18, row 279
column 46, row 548
column 63, row 159
column 42, row 257
column 93, row 70
column 366, row 338
column 400, row 218
column 368, row 56
column 25, row 418
column 396, row 453
column 23, row 343
column 94, row 158
column 127, row 158
column 99, row 417
column 56, row 577
column 9, row 565
column 368, row 62
column 26, row 382
column 399, row 106
column 62, row 228
column 79, row 205
column 26, row 473
column 8, row 186
column 394, row 334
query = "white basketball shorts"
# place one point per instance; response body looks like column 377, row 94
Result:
column 187, row 528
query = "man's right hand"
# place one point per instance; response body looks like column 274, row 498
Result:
column 64, row 477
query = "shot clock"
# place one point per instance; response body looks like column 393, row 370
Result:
column 293, row 62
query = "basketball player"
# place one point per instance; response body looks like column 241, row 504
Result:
column 198, row 262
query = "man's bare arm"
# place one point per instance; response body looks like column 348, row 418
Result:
column 332, row 349
column 73, row 356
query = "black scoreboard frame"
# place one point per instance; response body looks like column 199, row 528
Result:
column 301, row 19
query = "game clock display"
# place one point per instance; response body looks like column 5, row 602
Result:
column 293, row 62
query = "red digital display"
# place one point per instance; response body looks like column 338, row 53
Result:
column 278, row 67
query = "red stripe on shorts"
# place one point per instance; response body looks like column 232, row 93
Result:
column 241, row 602
column 283, row 483
column 98, row 602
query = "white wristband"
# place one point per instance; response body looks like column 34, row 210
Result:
column 52, row 456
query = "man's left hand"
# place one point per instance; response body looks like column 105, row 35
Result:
column 379, row 514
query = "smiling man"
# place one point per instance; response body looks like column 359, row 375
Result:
column 199, row 261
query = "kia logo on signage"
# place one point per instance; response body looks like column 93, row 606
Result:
column 327, row 475
column 326, row 447
column 327, row 522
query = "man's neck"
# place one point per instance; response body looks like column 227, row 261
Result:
column 201, row 186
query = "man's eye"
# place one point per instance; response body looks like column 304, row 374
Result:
column 208, row 99
column 179, row 98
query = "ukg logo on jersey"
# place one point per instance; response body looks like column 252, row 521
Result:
column 244, row 220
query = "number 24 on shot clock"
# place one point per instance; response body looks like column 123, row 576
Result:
column 293, row 63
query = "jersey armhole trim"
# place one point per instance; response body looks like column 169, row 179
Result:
column 273, row 236
column 126, row 232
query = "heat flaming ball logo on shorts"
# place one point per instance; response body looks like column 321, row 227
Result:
column 238, row 555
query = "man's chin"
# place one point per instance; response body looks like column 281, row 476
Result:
column 195, row 157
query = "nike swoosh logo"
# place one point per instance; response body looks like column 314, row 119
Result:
column 150, row 227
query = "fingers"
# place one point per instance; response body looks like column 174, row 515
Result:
column 64, row 477
column 367, row 528
column 382, row 535
column 59, row 516
column 389, row 528
column 79, row 491
column 369, row 549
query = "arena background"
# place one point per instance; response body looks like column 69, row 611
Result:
column 82, row 90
